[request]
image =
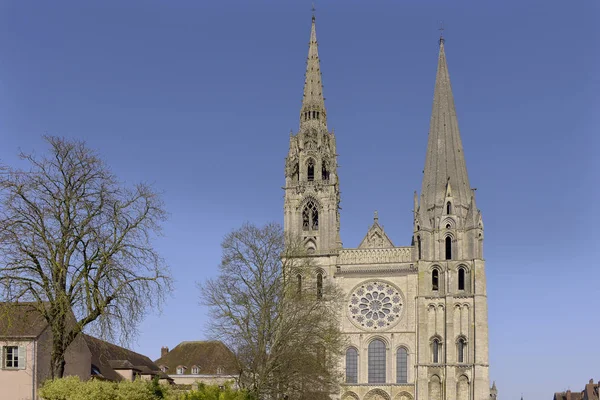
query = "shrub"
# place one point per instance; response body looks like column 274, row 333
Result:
column 72, row 388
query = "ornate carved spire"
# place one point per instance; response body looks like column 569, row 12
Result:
column 445, row 162
column 313, row 104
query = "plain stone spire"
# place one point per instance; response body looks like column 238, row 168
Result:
column 313, row 103
column 445, row 167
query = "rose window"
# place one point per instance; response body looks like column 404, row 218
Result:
column 375, row 305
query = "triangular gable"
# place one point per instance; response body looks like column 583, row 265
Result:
column 375, row 237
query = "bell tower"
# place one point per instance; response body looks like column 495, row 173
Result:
column 448, row 248
column 312, row 195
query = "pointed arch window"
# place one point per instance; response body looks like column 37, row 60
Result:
column 310, row 169
column 351, row 365
column 319, row 285
column 448, row 208
column 376, row 362
column 461, row 279
column 310, row 216
column 402, row 365
column 435, row 280
column 435, row 350
column 460, row 349
column 419, row 247
column 448, row 248
column 325, row 171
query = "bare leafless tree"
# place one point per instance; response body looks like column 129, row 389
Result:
column 78, row 245
column 267, row 306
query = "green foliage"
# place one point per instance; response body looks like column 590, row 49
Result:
column 72, row 388
column 213, row 392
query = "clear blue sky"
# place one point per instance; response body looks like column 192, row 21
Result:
column 199, row 97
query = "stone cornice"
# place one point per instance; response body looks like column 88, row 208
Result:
column 378, row 270
column 375, row 256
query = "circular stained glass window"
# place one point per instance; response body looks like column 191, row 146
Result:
column 375, row 305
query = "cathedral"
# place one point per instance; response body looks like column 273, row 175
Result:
column 415, row 316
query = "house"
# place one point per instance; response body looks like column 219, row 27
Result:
column 209, row 362
column 25, row 354
column 591, row 391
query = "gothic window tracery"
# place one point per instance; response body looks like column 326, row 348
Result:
column 375, row 305
column 310, row 216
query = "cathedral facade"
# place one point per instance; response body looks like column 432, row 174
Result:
column 415, row 316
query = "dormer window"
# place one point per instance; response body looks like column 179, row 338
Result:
column 164, row 368
column 219, row 370
column 180, row 370
column 195, row 370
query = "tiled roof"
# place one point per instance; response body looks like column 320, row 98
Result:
column 21, row 320
column 108, row 357
column 209, row 356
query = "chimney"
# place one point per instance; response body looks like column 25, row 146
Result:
column 163, row 351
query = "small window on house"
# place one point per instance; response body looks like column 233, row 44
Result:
column 435, row 351
column 180, row 370
column 310, row 170
column 419, row 247
column 219, row 370
column 163, row 368
column 461, row 344
column 435, row 279
column 461, row 279
column 448, row 248
column 10, row 357
column 195, row 370
column 319, row 285
column 448, row 208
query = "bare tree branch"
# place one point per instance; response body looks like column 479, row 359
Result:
column 285, row 332
column 79, row 245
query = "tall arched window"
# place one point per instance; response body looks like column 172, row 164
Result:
column 448, row 248
column 419, row 247
column 461, row 279
column 401, row 365
column 299, row 282
column 435, row 279
column 319, row 285
column 460, row 349
column 325, row 171
column 310, row 170
column 448, row 208
column 310, row 216
column 435, row 350
column 351, row 365
column 376, row 361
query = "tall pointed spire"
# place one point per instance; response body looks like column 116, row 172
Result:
column 445, row 165
column 313, row 103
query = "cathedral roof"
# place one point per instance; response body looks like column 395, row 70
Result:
column 376, row 237
column 445, row 161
